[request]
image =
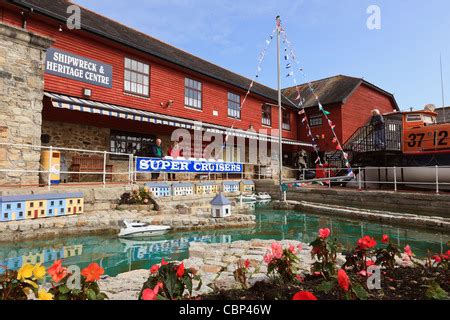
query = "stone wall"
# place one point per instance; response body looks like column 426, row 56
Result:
column 22, row 56
column 421, row 203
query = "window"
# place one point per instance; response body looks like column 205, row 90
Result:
column 19, row 206
column 128, row 142
column 60, row 203
column 266, row 115
column 234, row 105
column 8, row 206
column 31, row 204
column 413, row 117
column 136, row 77
column 286, row 120
column 52, row 203
column 316, row 120
column 62, row 210
column 41, row 204
column 50, row 211
column 192, row 93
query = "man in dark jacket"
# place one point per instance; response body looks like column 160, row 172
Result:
column 156, row 152
column 377, row 123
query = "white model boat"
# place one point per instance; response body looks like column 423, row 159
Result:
column 132, row 229
column 263, row 196
column 248, row 198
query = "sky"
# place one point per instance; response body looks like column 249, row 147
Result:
column 330, row 37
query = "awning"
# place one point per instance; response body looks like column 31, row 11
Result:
column 84, row 105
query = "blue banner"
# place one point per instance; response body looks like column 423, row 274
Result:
column 172, row 165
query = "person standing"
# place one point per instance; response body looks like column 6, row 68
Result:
column 174, row 152
column 156, row 152
column 377, row 123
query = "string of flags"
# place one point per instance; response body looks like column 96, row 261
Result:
column 299, row 100
column 290, row 57
column 261, row 57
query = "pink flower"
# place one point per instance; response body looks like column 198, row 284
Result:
column 363, row 273
column 324, row 233
column 300, row 247
column 268, row 258
column 292, row 248
column 247, row 264
column 408, row 251
column 277, row 250
column 300, row 278
column 152, row 294
column 385, row 238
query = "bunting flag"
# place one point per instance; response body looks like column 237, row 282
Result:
column 302, row 111
column 326, row 113
column 288, row 66
column 290, row 74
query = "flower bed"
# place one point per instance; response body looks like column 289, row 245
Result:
column 401, row 275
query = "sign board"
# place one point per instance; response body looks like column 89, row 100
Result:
column 195, row 166
column 68, row 65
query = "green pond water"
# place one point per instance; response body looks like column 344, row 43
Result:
column 118, row 255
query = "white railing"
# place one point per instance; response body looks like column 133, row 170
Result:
column 435, row 178
column 50, row 170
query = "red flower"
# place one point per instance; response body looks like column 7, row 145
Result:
column 408, row 251
column 437, row 259
column 93, row 272
column 154, row 268
column 247, row 264
column 324, row 233
column 304, row 295
column 163, row 262
column 300, row 278
column 57, row 272
column 343, row 280
column 180, row 270
column 370, row 263
column 385, row 238
column 366, row 242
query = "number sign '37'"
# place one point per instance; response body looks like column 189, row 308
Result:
column 170, row 165
column 426, row 140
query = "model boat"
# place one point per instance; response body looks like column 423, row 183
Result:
column 136, row 229
column 248, row 198
column 263, row 196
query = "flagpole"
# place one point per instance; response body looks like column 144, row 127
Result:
column 280, row 117
column 442, row 89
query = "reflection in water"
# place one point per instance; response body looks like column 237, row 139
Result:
column 119, row 255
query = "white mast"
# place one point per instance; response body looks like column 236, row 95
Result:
column 442, row 89
column 280, row 110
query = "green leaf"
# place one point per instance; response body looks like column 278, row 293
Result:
column 359, row 291
column 435, row 292
column 327, row 286
column 91, row 294
column 63, row 289
column 101, row 296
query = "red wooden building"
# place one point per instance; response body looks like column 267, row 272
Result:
column 110, row 87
